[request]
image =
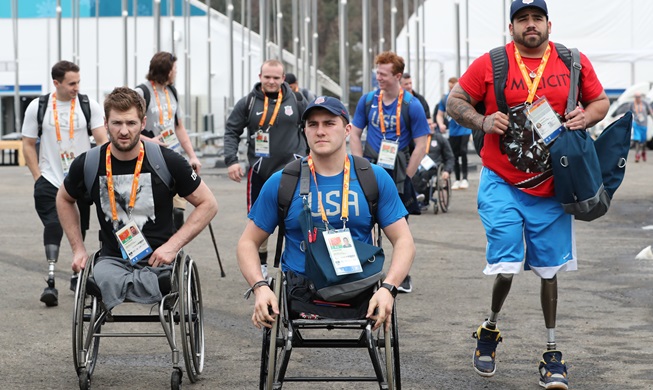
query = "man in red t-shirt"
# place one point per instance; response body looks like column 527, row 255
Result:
column 522, row 219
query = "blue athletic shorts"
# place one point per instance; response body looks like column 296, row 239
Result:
column 517, row 223
column 639, row 133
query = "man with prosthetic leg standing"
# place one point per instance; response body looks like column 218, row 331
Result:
column 523, row 220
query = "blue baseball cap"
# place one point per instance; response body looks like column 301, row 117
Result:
column 518, row 5
column 331, row 104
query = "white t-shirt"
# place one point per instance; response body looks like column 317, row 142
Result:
column 49, row 149
column 152, row 110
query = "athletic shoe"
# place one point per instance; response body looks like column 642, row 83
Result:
column 645, row 254
column 464, row 184
column 406, row 286
column 455, row 185
column 264, row 270
column 486, row 347
column 420, row 198
column 73, row 282
column 553, row 371
column 50, row 296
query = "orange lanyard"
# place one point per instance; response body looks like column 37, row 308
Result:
column 274, row 113
column 344, row 212
column 382, row 121
column 158, row 102
column 532, row 85
column 134, row 191
column 55, row 112
column 638, row 107
column 428, row 144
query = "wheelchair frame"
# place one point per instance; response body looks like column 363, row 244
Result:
column 286, row 334
column 181, row 306
column 440, row 191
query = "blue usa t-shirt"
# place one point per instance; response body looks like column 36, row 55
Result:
column 264, row 211
column 418, row 123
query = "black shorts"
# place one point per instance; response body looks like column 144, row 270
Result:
column 45, row 200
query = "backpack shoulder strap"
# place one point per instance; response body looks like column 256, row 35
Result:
column 91, row 165
column 173, row 89
column 368, row 102
column 85, row 105
column 404, row 111
column 289, row 180
column 157, row 162
column 367, row 181
column 571, row 58
column 43, row 106
column 146, row 94
column 251, row 98
column 499, row 59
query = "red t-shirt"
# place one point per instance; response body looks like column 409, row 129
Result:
column 478, row 82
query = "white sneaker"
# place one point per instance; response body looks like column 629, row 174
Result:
column 264, row 270
column 455, row 185
column 645, row 254
column 464, row 184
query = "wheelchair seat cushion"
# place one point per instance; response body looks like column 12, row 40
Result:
column 119, row 281
column 305, row 304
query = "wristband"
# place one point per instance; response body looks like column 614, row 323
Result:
column 257, row 284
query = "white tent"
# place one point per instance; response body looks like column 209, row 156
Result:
column 615, row 35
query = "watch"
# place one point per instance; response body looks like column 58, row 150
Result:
column 391, row 288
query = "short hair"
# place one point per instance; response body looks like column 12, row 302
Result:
column 453, row 80
column 122, row 99
column 60, row 69
column 160, row 66
column 388, row 57
column 273, row 63
column 405, row 76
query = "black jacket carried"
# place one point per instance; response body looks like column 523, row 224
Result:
column 286, row 138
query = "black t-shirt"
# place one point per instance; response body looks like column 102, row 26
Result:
column 153, row 207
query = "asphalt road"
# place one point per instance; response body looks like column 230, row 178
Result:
column 605, row 311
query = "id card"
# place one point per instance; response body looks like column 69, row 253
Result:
column 262, row 144
column 133, row 244
column 169, row 138
column 342, row 252
column 544, row 119
column 66, row 157
column 427, row 163
column 388, row 154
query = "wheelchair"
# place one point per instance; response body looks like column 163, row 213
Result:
column 439, row 191
column 181, row 305
column 288, row 332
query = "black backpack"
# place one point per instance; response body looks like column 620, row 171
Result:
column 146, row 96
column 499, row 58
column 291, row 176
column 84, row 104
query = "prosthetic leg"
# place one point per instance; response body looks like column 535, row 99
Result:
column 549, row 299
column 50, row 295
column 553, row 370
column 263, row 257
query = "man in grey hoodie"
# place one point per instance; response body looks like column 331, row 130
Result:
column 271, row 112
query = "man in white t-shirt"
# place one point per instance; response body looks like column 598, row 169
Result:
column 64, row 134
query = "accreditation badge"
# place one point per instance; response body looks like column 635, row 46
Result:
column 427, row 163
column 342, row 252
column 169, row 137
column 388, row 154
column 544, row 120
column 262, row 144
column 133, row 244
column 66, row 157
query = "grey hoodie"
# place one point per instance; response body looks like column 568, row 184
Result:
column 287, row 141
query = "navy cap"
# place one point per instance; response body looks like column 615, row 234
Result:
column 518, row 5
column 331, row 104
column 290, row 78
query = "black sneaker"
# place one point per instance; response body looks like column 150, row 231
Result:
column 73, row 282
column 406, row 286
column 485, row 353
column 553, row 371
column 50, row 297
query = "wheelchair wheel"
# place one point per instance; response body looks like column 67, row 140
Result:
column 391, row 339
column 192, row 318
column 444, row 191
column 86, row 322
column 84, row 379
column 175, row 379
column 269, row 356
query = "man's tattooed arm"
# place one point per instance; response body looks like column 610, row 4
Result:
column 460, row 106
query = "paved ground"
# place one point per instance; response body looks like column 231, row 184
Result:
column 604, row 326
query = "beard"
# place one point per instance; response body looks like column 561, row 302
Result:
column 531, row 41
column 128, row 148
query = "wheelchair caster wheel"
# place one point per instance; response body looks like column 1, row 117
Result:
column 84, row 380
column 175, row 379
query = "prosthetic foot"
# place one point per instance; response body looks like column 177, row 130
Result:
column 50, row 295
